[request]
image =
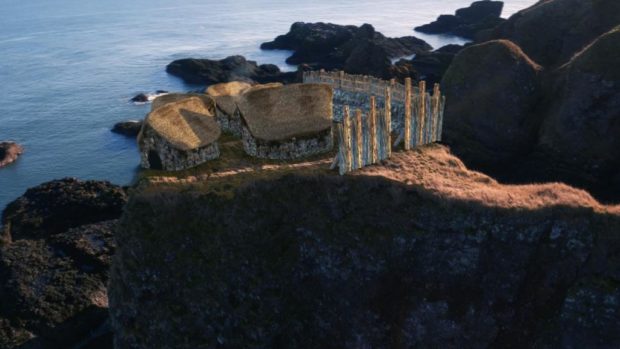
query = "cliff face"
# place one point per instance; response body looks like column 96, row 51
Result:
column 390, row 257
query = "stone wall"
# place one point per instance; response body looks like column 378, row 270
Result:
column 294, row 148
column 229, row 123
column 171, row 158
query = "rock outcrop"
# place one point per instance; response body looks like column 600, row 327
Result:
column 54, row 265
column 54, row 292
column 430, row 66
column 467, row 22
column 9, row 152
column 582, row 123
column 492, row 89
column 56, row 206
column 552, row 31
column 129, row 128
column 393, row 256
column 523, row 124
column 233, row 68
column 356, row 50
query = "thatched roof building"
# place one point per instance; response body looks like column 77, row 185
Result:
column 227, row 96
column 179, row 134
column 287, row 122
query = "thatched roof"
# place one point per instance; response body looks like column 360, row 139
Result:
column 232, row 88
column 175, row 97
column 227, row 94
column 276, row 113
column 187, row 124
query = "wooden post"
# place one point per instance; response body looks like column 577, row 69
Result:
column 388, row 122
column 407, row 113
column 442, row 107
column 342, row 166
column 436, row 102
column 346, row 124
column 359, row 138
column 341, row 78
column 373, row 131
column 422, row 111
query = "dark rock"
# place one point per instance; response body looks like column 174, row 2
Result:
column 56, row 206
column 431, row 66
column 129, row 128
column 233, row 68
column 55, row 292
column 492, row 90
column 159, row 92
column 356, row 50
column 552, row 31
column 581, row 128
column 140, row 98
column 9, row 152
column 467, row 22
column 360, row 262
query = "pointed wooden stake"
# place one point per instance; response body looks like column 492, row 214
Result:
column 407, row 134
column 373, row 131
column 421, row 112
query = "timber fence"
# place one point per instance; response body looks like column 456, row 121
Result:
column 365, row 134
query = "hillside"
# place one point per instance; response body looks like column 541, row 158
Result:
column 419, row 251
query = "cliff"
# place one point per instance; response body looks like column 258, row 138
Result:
column 416, row 252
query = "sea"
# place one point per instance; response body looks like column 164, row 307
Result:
column 69, row 67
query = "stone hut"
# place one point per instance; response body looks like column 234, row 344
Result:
column 286, row 122
column 180, row 134
column 226, row 96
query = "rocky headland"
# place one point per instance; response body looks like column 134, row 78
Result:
column 420, row 250
column 416, row 252
column 356, row 50
column 467, row 22
column 233, row 68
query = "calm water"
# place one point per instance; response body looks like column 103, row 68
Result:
column 68, row 67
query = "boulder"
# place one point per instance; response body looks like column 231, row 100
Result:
column 467, row 22
column 54, row 207
column 54, row 292
column 359, row 50
column 233, row 68
column 129, row 128
column 9, row 152
column 552, row 31
column 491, row 91
column 582, row 125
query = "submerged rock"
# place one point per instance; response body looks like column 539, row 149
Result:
column 129, row 128
column 140, row 98
column 9, row 152
column 233, row 68
column 467, row 22
column 56, row 206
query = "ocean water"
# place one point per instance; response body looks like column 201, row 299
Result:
column 69, row 67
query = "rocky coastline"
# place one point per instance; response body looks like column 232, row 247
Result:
column 392, row 256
